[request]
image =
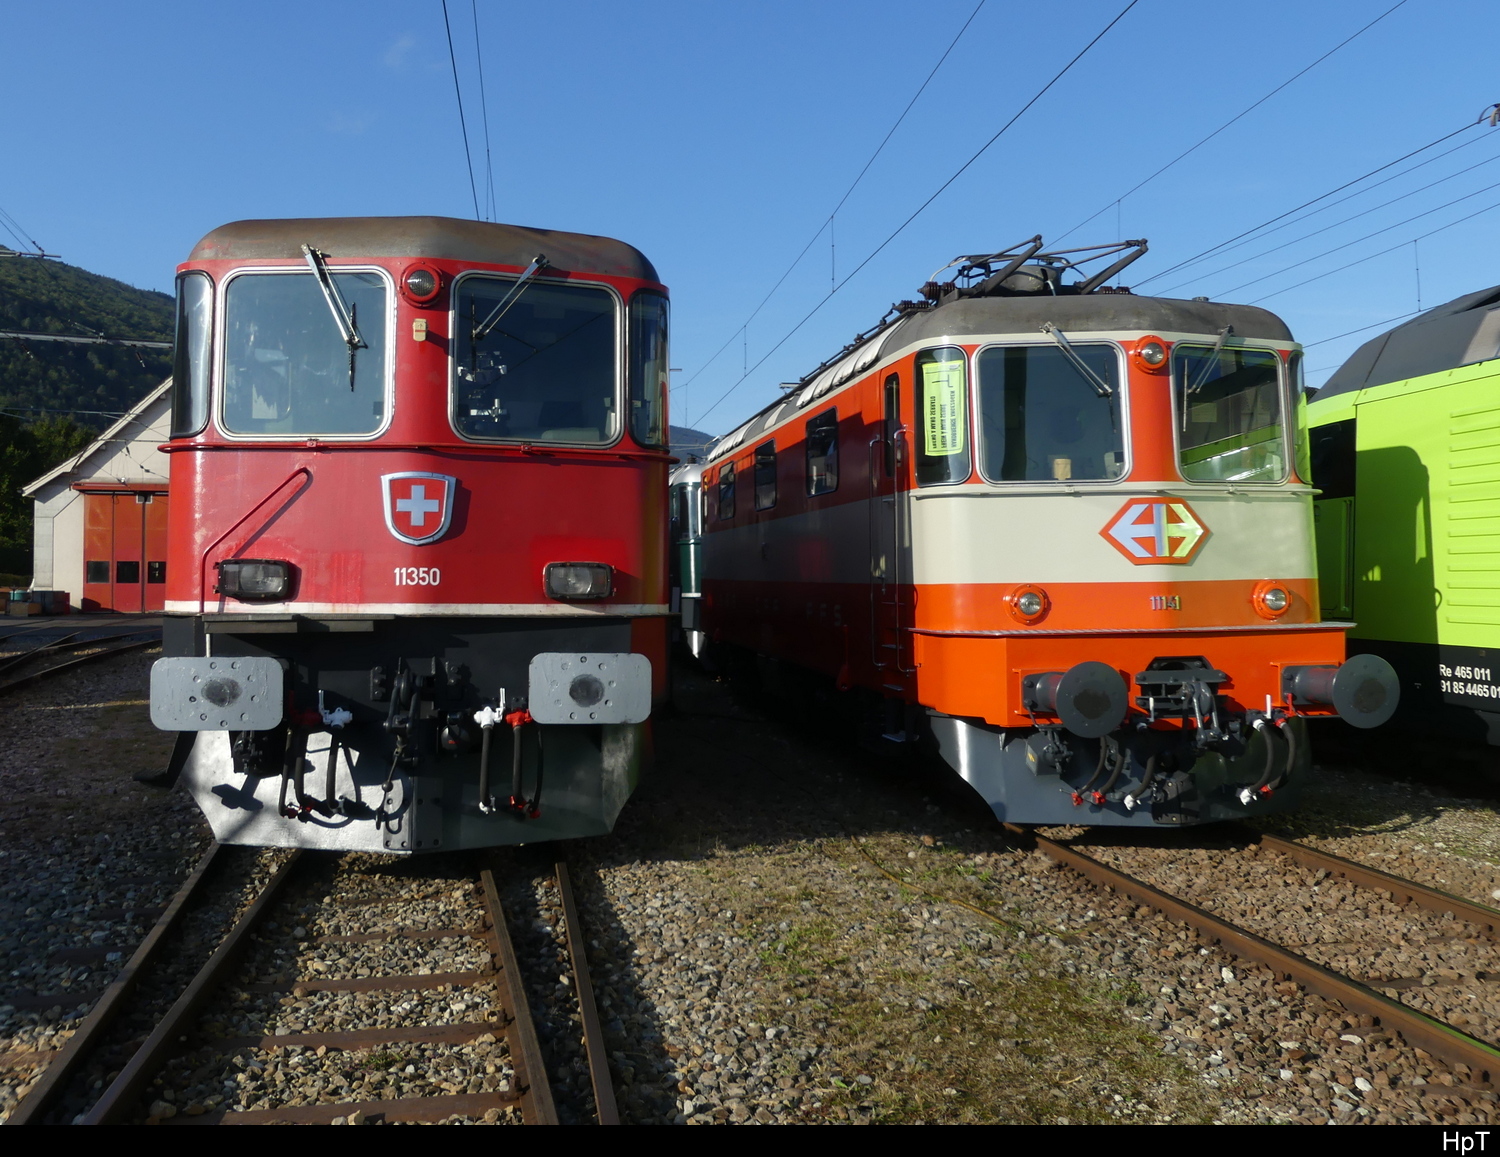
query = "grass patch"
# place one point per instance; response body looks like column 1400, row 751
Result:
column 930, row 1012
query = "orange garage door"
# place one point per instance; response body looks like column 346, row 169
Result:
column 124, row 550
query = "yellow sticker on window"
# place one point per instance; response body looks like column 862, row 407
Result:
column 943, row 407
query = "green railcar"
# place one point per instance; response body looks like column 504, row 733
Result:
column 1405, row 442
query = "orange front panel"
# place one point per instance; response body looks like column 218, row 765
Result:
column 1155, row 606
column 981, row 677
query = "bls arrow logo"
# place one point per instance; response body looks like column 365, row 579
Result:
column 1156, row 530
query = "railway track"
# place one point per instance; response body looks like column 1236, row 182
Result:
column 51, row 656
column 1351, row 970
column 329, row 961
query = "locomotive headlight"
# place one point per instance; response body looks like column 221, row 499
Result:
column 1151, row 355
column 254, row 580
column 420, row 283
column 1270, row 599
column 1028, row 603
column 579, row 580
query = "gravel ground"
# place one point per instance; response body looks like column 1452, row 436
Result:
column 306, row 942
column 788, row 929
column 784, row 928
column 1439, row 965
column 87, row 856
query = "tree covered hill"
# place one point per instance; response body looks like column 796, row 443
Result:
column 85, row 382
column 56, row 396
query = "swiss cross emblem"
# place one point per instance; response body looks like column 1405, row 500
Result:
column 1156, row 530
column 418, row 507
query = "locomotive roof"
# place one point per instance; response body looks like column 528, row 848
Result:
column 433, row 237
column 1093, row 312
column 1458, row 333
column 1072, row 314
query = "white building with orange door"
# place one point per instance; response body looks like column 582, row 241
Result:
column 100, row 529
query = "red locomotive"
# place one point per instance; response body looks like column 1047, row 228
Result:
column 1061, row 531
column 416, row 589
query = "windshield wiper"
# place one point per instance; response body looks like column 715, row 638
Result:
column 1200, row 379
column 343, row 315
column 482, row 330
column 1101, row 387
column 1205, row 371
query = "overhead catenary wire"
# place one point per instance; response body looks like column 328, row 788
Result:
column 1307, row 345
column 484, row 108
column 827, row 224
column 1341, row 221
column 18, row 410
column 1237, row 117
column 463, row 127
column 22, row 238
column 24, row 336
column 920, row 208
column 1223, row 246
column 1356, row 241
column 1381, row 253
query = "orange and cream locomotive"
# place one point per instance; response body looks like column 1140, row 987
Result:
column 1063, row 531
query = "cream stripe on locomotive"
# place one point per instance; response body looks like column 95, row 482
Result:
column 974, row 534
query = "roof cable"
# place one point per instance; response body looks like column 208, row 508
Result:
column 1233, row 119
column 1491, row 114
column 828, row 222
column 919, row 209
column 468, row 154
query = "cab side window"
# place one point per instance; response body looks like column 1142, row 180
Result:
column 823, row 453
column 942, row 416
column 765, row 476
column 726, row 492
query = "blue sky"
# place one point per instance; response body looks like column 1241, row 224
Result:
column 718, row 137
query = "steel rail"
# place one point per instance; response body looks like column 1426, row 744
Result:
column 20, row 657
column 1418, row 1029
column 45, row 1093
column 530, row 1089
column 126, row 1088
column 532, row 1096
column 537, row 1107
column 1403, row 891
column 68, row 665
column 605, row 1108
column 71, row 642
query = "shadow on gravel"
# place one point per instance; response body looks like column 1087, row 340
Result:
column 739, row 766
column 749, row 761
column 633, row 1029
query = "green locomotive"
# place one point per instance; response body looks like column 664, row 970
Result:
column 1405, row 443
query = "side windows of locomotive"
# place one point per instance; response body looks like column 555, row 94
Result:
column 648, row 368
column 726, row 492
column 190, row 357
column 892, row 422
column 823, row 453
column 765, row 476
column 942, row 416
